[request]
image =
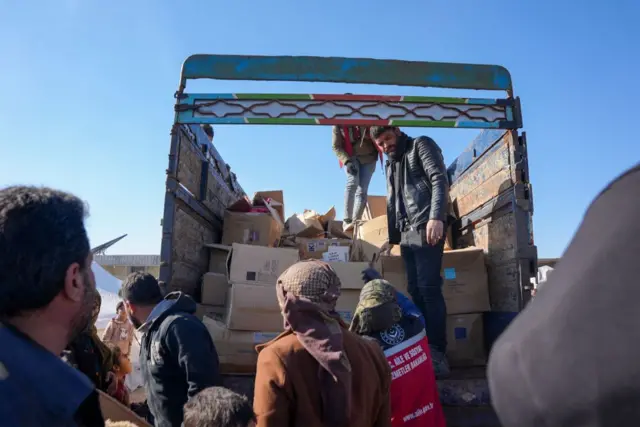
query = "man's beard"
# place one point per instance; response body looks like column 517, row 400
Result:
column 83, row 321
column 401, row 146
column 134, row 321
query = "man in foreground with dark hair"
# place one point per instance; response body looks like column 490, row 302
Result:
column 47, row 294
column 417, row 211
column 177, row 355
column 219, row 407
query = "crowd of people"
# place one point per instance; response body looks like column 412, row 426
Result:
column 568, row 360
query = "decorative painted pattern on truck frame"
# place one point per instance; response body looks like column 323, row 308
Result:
column 333, row 109
column 346, row 70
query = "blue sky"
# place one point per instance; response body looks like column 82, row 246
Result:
column 87, row 95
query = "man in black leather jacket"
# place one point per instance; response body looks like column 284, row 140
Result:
column 417, row 210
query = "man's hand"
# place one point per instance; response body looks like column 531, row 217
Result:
column 434, row 231
column 386, row 248
column 352, row 168
column 369, row 274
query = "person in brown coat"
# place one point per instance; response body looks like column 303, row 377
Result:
column 317, row 373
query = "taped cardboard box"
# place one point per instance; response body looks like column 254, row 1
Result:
column 350, row 273
column 259, row 265
column 466, row 286
column 214, row 289
column 370, row 237
column 253, row 308
column 347, row 303
column 465, row 340
column 218, row 257
column 236, row 349
column 376, row 206
column 315, row 248
column 250, row 228
column 215, row 312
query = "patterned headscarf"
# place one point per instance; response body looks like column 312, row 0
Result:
column 377, row 309
column 307, row 294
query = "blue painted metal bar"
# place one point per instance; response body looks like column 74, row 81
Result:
column 346, row 70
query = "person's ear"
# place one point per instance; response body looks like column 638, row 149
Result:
column 74, row 286
column 397, row 131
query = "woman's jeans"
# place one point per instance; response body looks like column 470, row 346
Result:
column 355, row 194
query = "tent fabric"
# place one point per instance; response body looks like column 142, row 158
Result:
column 108, row 287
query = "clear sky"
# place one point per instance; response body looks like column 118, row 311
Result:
column 87, row 90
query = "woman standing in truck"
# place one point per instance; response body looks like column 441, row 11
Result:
column 414, row 393
column 358, row 154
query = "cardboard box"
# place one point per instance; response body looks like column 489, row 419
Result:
column 448, row 242
column 306, row 224
column 253, row 308
column 466, row 286
column 337, row 254
column 314, row 248
column 465, row 340
column 250, row 228
column 258, row 264
column 113, row 410
column 215, row 312
column 370, row 236
column 376, row 206
column 277, row 198
column 236, row 349
column 394, row 272
column 335, row 229
column 218, row 257
column 347, row 303
column 214, row 289
column 350, row 273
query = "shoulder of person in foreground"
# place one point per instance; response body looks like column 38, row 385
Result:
column 572, row 354
column 189, row 341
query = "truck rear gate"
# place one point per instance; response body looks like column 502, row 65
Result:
column 490, row 185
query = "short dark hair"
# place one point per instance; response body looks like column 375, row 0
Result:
column 119, row 306
column 208, row 129
column 218, row 407
column 376, row 131
column 140, row 288
column 41, row 234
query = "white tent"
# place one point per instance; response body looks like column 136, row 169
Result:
column 108, row 286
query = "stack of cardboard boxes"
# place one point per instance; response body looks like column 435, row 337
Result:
column 465, row 286
column 238, row 296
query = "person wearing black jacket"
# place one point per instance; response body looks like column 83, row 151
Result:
column 177, row 355
column 417, row 213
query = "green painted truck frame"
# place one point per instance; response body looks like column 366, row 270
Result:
column 490, row 185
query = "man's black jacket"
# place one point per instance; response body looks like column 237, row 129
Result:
column 423, row 182
column 177, row 357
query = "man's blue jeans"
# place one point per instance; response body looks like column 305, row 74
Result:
column 423, row 264
column 355, row 194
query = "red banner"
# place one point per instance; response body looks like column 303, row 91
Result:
column 414, row 392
